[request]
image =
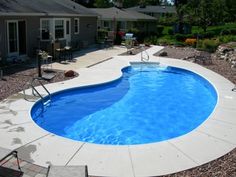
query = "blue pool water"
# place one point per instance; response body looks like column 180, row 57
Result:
column 148, row 104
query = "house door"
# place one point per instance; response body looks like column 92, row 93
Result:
column 68, row 32
column 16, row 38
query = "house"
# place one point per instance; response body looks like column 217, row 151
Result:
column 123, row 19
column 27, row 25
column 155, row 11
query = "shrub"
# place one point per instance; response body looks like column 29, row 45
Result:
column 225, row 32
column 170, row 31
column 160, row 30
column 182, row 37
column 209, row 45
column 163, row 42
column 191, row 41
column 233, row 31
column 179, row 44
column 227, row 38
column 151, row 40
column 102, row 34
column 208, row 34
column 135, row 31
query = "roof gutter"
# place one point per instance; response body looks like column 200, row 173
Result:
column 47, row 14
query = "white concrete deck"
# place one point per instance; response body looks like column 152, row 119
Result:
column 212, row 139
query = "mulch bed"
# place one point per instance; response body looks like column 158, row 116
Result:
column 224, row 166
column 16, row 77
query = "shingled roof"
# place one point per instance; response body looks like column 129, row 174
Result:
column 154, row 9
column 43, row 7
column 121, row 14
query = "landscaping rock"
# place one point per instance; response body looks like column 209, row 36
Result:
column 69, row 73
column 163, row 54
column 226, row 52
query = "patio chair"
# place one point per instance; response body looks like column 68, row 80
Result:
column 67, row 171
column 5, row 155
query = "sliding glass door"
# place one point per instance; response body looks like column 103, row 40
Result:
column 16, row 37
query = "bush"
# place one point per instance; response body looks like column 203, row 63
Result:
column 170, row 31
column 135, row 31
column 160, row 30
column 151, row 40
column 191, row 41
column 179, row 44
column 227, row 38
column 208, row 34
column 102, row 34
column 182, row 37
column 225, row 32
column 233, row 31
column 209, row 45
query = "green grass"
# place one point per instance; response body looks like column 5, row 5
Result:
column 216, row 29
column 211, row 39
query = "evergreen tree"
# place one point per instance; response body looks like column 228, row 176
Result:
column 231, row 10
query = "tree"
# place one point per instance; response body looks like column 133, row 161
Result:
column 86, row 3
column 129, row 3
column 205, row 13
column 230, row 10
column 180, row 9
column 102, row 3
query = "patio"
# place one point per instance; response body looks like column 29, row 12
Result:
column 193, row 149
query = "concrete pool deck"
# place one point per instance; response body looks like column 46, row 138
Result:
column 212, row 139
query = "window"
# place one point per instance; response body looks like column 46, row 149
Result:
column 106, row 24
column 45, row 30
column 122, row 25
column 67, row 27
column 13, row 39
column 76, row 26
column 59, row 29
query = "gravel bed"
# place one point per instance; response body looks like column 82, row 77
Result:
column 16, row 77
column 221, row 67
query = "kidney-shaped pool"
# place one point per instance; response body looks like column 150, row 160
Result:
column 149, row 103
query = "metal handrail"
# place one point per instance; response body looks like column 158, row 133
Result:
column 35, row 91
column 143, row 59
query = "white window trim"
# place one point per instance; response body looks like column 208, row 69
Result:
column 52, row 28
column 64, row 28
column 78, row 25
column 8, row 35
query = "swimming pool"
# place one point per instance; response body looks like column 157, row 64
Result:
column 148, row 104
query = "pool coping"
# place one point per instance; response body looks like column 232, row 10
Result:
column 18, row 131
